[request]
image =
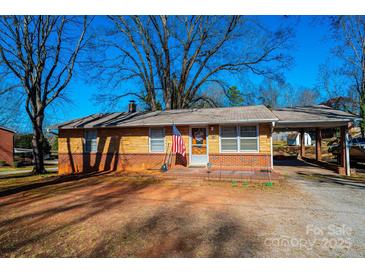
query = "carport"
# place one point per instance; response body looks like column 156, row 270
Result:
column 316, row 118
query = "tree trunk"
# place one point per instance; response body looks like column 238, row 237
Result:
column 37, row 144
column 168, row 101
column 152, row 102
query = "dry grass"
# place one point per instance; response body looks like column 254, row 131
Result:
column 141, row 215
column 15, row 181
column 11, row 168
column 355, row 178
column 133, row 215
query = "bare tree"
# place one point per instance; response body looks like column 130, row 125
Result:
column 268, row 93
column 39, row 53
column 349, row 31
column 211, row 96
column 10, row 110
column 288, row 95
column 330, row 80
column 9, row 104
column 174, row 57
column 307, row 97
column 334, row 89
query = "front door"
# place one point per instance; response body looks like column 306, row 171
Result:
column 199, row 149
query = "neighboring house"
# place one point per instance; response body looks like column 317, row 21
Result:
column 27, row 153
column 225, row 138
column 294, row 139
column 6, row 145
column 280, row 136
column 142, row 140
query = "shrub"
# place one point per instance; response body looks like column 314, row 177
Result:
column 2, row 163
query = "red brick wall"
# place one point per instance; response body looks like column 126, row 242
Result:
column 78, row 162
column 128, row 149
column 6, row 146
column 240, row 161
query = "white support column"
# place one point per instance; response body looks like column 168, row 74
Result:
column 347, row 152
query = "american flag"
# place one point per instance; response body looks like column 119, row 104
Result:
column 178, row 145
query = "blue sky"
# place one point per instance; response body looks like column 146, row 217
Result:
column 310, row 51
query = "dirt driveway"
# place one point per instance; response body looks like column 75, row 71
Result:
column 141, row 216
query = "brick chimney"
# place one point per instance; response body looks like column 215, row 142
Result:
column 132, row 106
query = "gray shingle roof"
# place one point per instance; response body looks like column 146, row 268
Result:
column 312, row 115
column 295, row 117
column 180, row 117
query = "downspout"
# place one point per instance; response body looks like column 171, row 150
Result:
column 271, row 146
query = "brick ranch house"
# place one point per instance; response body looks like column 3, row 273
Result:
column 227, row 138
column 6, row 145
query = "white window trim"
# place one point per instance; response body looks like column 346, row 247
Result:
column 231, row 138
column 149, row 140
column 249, row 138
column 84, row 139
column 238, row 138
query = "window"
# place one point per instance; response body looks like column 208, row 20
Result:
column 90, row 141
column 239, row 138
column 229, row 138
column 157, row 140
column 248, row 138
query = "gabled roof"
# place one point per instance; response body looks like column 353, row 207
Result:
column 7, row 129
column 204, row 116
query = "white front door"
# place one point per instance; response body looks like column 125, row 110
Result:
column 199, row 146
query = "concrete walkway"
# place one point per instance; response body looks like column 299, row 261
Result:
column 188, row 174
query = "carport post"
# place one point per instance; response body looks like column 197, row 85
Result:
column 345, row 155
column 348, row 170
column 318, row 144
column 302, row 144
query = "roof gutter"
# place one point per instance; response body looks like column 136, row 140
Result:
column 313, row 124
column 319, row 121
column 178, row 124
column 49, row 130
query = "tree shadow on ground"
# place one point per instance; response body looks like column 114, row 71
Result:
column 51, row 187
column 289, row 161
column 21, row 175
column 327, row 179
column 81, row 208
column 179, row 232
column 156, row 226
column 49, row 182
column 305, row 162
